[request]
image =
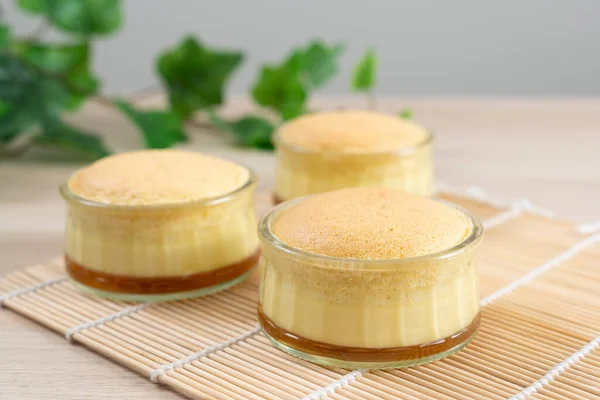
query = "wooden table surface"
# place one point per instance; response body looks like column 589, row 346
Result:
column 545, row 150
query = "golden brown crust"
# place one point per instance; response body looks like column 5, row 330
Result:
column 152, row 177
column 372, row 223
column 351, row 132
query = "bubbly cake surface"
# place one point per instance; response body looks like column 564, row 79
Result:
column 371, row 223
column 152, row 177
column 351, row 132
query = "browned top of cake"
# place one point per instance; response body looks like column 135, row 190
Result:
column 371, row 223
column 157, row 177
column 351, row 132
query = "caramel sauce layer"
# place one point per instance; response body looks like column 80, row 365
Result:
column 359, row 354
column 158, row 285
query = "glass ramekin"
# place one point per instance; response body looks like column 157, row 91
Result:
column 301, row 172
column 366, row 313
column 161, row 252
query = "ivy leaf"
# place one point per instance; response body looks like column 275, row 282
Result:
column 406, row 113
column 195, row 75
column 318, row 63
column 4, row 108
column 280, row 88
column 160, row 129
column 285, row 87
column 84, row 17
column 363, row 78
column 67, row 138
column 67, row 63
column 4, row 36
column 21, row 92
column 32, row 6
column 33, row 103
column 249, row 131
column 59, row 59
column 14, row 122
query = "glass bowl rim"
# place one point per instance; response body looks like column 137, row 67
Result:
column 69, row 196
column 267, row 236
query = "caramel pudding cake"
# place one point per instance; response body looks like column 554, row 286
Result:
column 160, row 224
column 334, row 150
column 369, row 278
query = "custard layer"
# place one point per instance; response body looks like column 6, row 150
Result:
column 370, row 306
column 299, row 174
column 162, row 242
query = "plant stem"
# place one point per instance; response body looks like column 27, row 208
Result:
column 37, row 33
column 371, row 101
column 99, row 99
column 17, row 150
column 206, row 126
column 152, row 89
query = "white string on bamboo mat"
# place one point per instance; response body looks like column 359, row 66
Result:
column 567, row 255
column 479, row 194
column 534, row 273
column 101, row 321
column 332, row 387
column 200, row 354
column 514, row 211
column 471, row 192
column 557, row 370
column 592, row 227
column 29, row 289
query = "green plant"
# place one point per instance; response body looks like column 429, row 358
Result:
column 41, row 82
column 363, row 78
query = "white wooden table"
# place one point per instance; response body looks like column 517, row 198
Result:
column 545, row 150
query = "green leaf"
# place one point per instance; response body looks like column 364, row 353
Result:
column 84, row 17
column 363, row 78
column 160, row 129
column 4, row 108
column 20, row 92
column 319, row 63
column 14, row 122
column 4, row 36
column 34, row 103
column 280, row 88
column 32, row 6
column 4, row 139
column 67, row 138
column 58, row 59
column 249, row 131
column 285, row 88
column 65, row 67
column 406, row 113
column 195, row 75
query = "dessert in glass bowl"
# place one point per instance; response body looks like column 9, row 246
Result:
column 369, row 278
column 333, row 150
column 160, row 224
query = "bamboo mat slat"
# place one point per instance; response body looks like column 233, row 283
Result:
column 539, row 335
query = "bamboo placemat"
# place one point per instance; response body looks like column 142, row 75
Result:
column 540, row 286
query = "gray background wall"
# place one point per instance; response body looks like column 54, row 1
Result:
column 428, row 47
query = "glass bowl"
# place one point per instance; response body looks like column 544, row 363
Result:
column 368, row 313
column 301, row 172
column 163, row 251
